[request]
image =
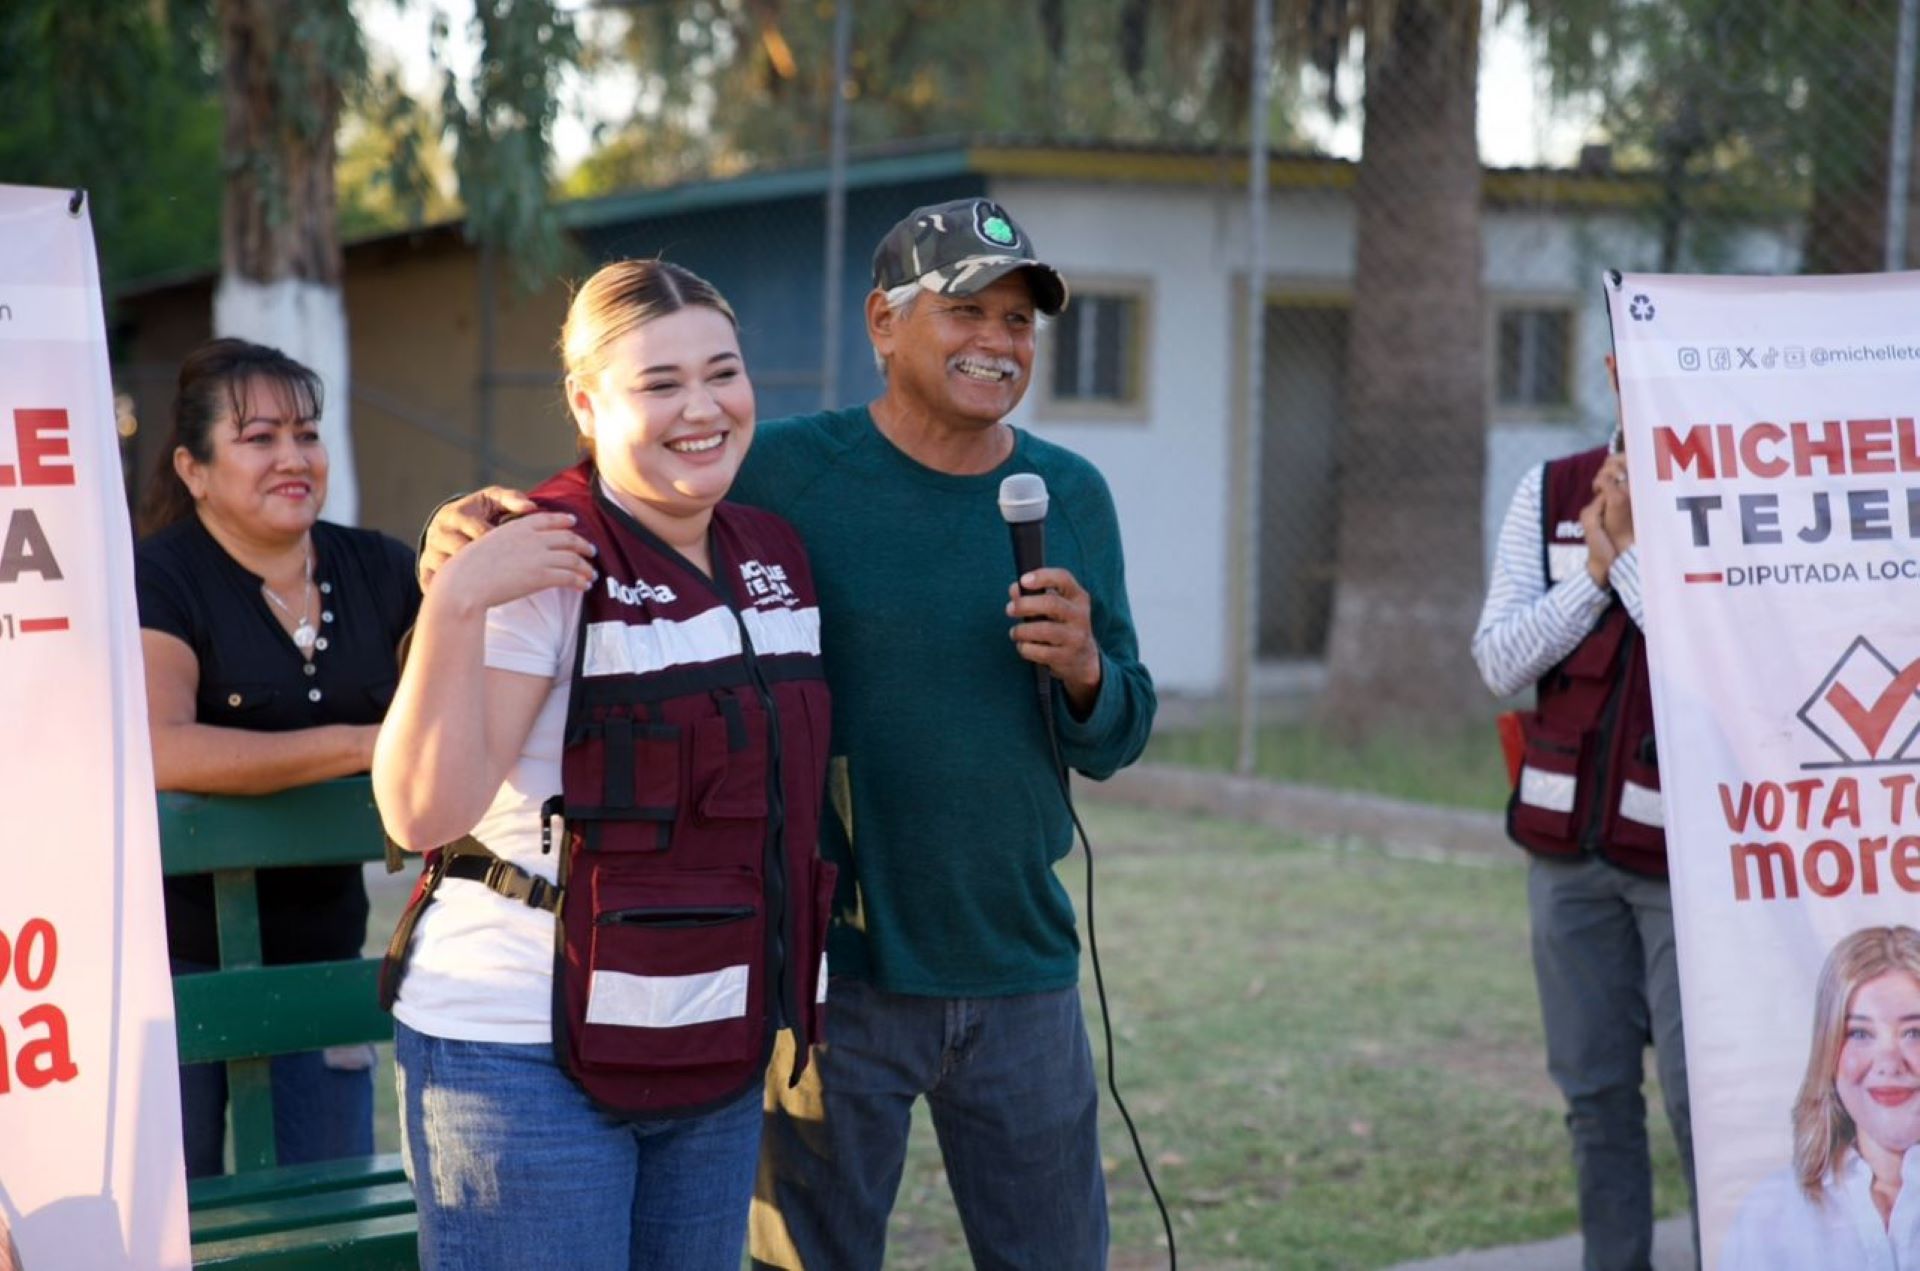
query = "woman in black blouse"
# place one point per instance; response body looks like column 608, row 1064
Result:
column 269, row 638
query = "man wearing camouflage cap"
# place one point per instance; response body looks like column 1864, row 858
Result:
column 953, row 953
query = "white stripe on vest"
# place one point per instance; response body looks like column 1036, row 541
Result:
column 666, row 1001
column 1564, row 560
column 780, row 631
column 620, row 648
column 1643, row 804
column 1550, row 790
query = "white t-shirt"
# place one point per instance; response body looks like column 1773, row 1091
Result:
column 482, row 965
column 1779, row 1229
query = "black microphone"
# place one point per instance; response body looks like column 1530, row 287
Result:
column 1023, row 504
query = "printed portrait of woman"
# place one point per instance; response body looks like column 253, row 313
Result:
column 1845, row 1201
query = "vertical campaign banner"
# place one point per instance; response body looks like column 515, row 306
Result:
column 1774, row 465
column 91, row 1174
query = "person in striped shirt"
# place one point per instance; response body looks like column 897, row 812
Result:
column 1563, row 613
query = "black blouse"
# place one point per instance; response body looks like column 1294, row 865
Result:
column 253, row 677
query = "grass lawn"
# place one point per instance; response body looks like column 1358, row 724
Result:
column 1333, row 1056
column 1456, row 765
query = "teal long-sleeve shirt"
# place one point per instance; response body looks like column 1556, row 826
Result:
column 944, row 815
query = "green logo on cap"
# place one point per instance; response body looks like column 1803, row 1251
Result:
column 998, row 230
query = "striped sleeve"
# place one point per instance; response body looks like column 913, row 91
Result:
column 1624, row 577
column 1527, row 626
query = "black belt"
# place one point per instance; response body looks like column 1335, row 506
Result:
column 500, row 875
column 466, row 857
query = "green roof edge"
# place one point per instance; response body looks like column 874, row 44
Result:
column 759, row 187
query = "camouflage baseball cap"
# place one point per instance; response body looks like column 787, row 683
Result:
column 959, row 248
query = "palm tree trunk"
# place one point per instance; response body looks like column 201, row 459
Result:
column 280, row 258
column 1410, row 557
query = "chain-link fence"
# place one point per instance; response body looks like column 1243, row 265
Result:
column 1446, row 182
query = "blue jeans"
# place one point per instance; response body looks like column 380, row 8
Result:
column 513, row 1167
column 322, row 1105
column 1009, row 1081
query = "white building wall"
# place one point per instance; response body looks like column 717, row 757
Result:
column 1167, row 471
column 1171, row 467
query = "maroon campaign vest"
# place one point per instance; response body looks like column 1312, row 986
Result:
column 1588, row 780
column 692, row 908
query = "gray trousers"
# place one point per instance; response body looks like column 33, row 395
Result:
column 1604, row 960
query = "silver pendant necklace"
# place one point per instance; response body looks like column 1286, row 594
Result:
column 303, row 632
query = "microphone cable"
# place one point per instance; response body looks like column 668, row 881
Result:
column 1045, row 682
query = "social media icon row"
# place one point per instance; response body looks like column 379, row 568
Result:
column 1749, row 358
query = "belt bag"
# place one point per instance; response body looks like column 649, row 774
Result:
column 662, row 976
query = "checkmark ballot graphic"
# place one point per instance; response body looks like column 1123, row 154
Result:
column 1867, row 710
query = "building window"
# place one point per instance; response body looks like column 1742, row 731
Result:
column 1097, row 349
column 1535, row 352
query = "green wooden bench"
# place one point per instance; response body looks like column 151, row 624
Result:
column 354, row 1214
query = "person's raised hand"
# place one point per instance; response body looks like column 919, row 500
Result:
column 526, row 555
column 465, row 520
column 1616, row 513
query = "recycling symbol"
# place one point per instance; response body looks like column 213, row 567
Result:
column 1641, row 309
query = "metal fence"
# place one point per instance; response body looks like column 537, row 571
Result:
column 1425, row 193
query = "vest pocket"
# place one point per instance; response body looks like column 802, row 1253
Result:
column 674, row 974
column 1548, row 790
column 729, row 764
column 624, row 782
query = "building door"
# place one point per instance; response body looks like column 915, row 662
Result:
column 1302, row 410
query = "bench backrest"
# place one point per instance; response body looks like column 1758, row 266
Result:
column 246, row 1012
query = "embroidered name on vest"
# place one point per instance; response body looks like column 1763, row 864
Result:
column 767, row 584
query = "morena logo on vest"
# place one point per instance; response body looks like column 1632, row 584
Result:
column 638, row 592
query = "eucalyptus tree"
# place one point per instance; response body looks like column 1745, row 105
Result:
column 287, row 66
column 727, row 84
column 284, row 65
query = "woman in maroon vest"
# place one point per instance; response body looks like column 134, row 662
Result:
column 616, row 772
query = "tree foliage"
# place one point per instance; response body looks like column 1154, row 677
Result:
column 139, row 129
column 731, row 84
column 502, row 125
column 395, row 169
column 1741, row 111
column 142, row 127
